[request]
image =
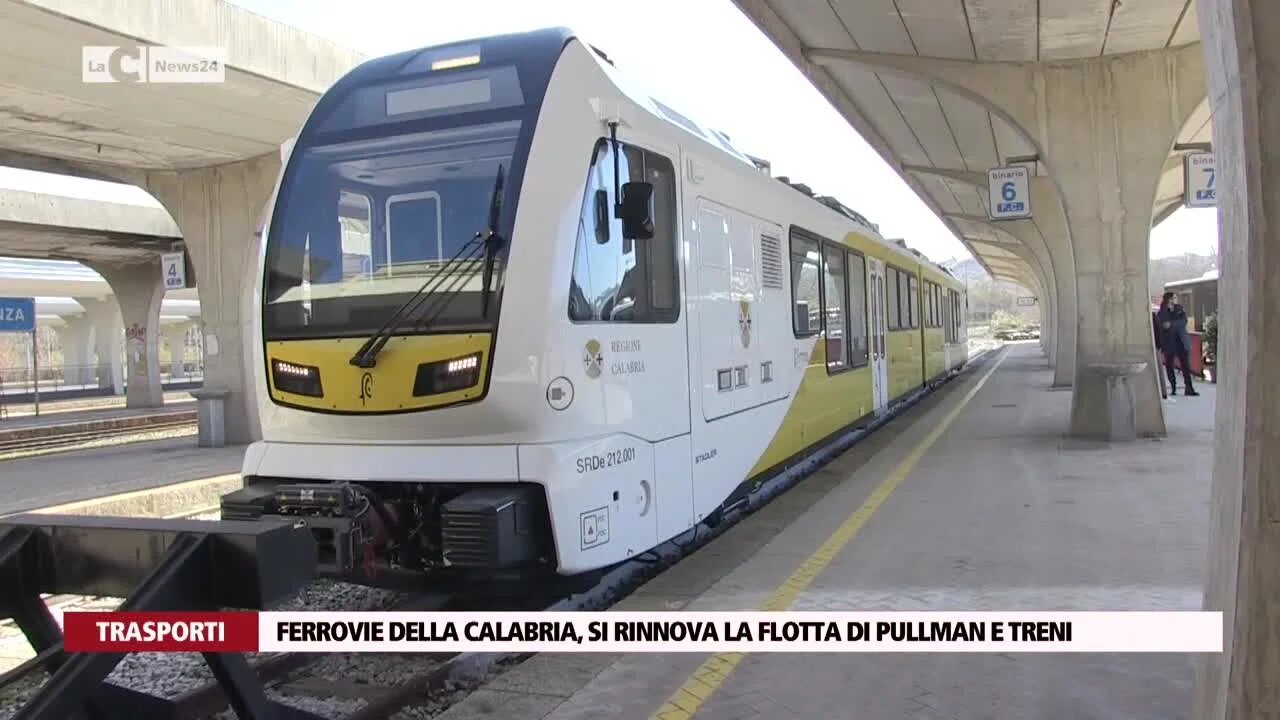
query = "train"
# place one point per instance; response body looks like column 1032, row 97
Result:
column 519, row 320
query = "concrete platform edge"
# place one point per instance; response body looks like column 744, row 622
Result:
column 177, row 499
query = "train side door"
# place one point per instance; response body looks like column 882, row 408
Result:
column 879, row 348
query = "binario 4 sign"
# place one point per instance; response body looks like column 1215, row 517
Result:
column 17, row 314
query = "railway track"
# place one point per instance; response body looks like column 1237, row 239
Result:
column 15, row 445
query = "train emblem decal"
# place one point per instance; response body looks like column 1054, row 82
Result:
column 592, row 358
column 744, row 322
column 366, row 388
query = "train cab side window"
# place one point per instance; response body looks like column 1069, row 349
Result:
column 857, row 311
column 616, row 279
column 806, row 301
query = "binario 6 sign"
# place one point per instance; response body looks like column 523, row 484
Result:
column 1010, row 190
column 643, row 632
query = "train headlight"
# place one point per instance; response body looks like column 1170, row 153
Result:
column 444, row 376
column 297, row 379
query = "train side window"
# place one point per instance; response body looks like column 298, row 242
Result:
column 915, row 301
column 951, row 316
column 837, row 323
column 617, row 279
column 806, row 302
column 904, row 300
column 893, row 303
column 856, row 308
column 956, row 319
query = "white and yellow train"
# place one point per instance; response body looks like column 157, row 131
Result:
column 519, row 316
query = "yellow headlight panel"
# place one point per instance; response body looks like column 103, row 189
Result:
column 389, row 385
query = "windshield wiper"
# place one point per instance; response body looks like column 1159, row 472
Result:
column 483, row 245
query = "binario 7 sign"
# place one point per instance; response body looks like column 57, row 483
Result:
column 17, row 314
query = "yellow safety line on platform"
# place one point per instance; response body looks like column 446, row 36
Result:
column 704, row 681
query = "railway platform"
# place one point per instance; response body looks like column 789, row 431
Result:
column 89, row 418
column 972, row 500
column 121, row 479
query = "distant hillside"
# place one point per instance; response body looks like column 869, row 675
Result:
column 1173, row 269
column 1162, row 270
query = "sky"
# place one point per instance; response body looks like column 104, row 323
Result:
column 713, row 65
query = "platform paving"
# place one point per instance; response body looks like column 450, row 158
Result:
column 1002, row 512
column 43, row 480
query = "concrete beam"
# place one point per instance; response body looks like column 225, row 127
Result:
column 254, row 44
column 1165, row 213
column 83, row 215
column 39, row 163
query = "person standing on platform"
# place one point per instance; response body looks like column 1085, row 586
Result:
column 1176, row 342
column 1155, row 329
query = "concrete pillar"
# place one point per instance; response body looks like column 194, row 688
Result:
column 1048, row 235
column 1243, row 70
column 1104, row 127
column 175, row 337
column 108, row 340
column 76, row 338
column 139, row 290
column 219, row 209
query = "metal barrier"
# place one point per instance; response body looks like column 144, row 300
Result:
column 155, row 564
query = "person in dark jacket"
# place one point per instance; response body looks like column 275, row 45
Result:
column 1155, row 329
column 1175, row 341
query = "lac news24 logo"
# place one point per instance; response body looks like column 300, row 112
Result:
column 152, row 64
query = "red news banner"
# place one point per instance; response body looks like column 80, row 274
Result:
column 704, row 632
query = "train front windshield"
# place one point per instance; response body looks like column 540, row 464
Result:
column 366, row 223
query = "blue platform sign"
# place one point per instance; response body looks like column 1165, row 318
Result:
column 1010, row 192
column 1198, row 170
column 17, row 314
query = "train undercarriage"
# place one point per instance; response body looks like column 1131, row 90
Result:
column 481, row 538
